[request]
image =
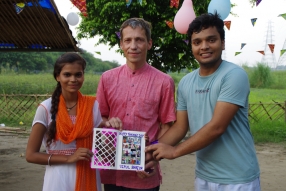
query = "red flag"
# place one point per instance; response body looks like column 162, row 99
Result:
column 261, row 52
column 174, row 3
column 81, row 5
column 227, row 24
column 170, row 24
column 271, row 46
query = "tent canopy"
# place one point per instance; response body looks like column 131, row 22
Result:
column 34, row 25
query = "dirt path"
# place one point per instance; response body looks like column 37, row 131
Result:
column 178, row 175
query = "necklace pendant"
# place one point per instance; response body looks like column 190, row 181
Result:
column 69, row 108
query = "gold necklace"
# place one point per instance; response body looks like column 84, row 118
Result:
column 69, row 108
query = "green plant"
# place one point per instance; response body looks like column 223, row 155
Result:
column 269, row 131
column 260, row 76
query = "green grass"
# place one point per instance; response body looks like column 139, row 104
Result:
column 267, row 95
column 11, row 123
column 263, row 131
column 269, row 131
column 40, row 84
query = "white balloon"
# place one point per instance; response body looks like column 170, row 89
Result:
column 72, row 18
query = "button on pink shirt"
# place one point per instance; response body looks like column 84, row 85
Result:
column 142, row 100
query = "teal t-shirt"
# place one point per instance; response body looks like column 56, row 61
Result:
column 230, row 159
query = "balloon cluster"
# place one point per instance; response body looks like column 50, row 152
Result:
column 186, row 14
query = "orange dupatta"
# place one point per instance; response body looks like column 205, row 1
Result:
column 82, row 132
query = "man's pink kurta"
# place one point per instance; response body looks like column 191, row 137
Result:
column 142, row 100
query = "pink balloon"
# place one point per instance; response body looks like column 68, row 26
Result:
column 184, row 17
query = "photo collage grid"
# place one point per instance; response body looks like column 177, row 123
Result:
column 131, row 150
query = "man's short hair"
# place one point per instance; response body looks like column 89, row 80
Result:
column 137, row 22
column 205, row 21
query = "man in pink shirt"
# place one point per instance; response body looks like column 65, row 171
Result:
column 137, row 97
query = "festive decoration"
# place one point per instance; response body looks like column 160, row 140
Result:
column 253, row 21
column 282, row 52
column 19, row 7
column 170, row 24
column 128, row 2
column 227, row 24
column 181, row 55
column 174, row 3
column 257, row 2
column 81, row 5
column 118, row 34
column 222, row 7
column 282, row 15
column 72, row 19
column 186, row 41
column 98, row 53
column 158, row 54
column 162, row 39
column 261, row 52
column 242, row 45
column 184, row 17
column 237, row 53
column 271, row 46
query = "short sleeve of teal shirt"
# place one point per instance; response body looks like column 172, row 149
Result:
column 235, row 88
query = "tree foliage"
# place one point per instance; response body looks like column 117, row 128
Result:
column 35, row 62
column 106, row 16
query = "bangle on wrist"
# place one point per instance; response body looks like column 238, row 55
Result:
column 49, row 159
column 154, row 142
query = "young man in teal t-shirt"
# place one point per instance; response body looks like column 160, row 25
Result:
column 213, row 103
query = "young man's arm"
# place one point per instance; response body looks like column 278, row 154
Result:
column 164, row 128
column 177, row 131
column 205, row 136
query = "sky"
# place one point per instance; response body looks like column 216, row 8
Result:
column 241, row 31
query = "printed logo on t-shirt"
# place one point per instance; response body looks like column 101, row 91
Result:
column 202, row 91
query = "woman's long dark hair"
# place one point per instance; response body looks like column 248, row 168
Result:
column 67, row 58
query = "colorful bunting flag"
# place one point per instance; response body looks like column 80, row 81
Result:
column 128, row 2
column 158, row 54
column 242, row 45
column 237, row 53
column 92, row 32
column 253, row 21
column 162, row 39
column 258, row 2
column 186, row 41
column 118, row 34
column 19, row 7
column 170, row 24
column 174, row 3
column 271, row 46
column 282, row 52
column 261, row 52
column 140, row 2
column 181, row 55
column 282, row 15
column 98, row 53
column 81, row 5
column 227, row 24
